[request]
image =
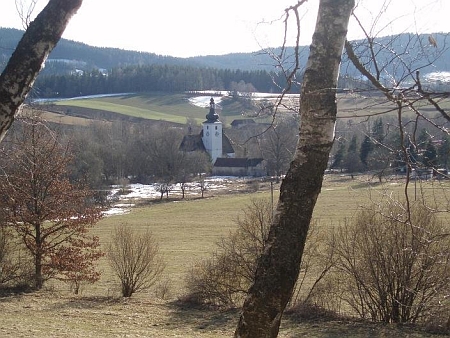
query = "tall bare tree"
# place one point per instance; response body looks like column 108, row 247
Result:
column 278, row 144
column 278, row 267
column 39, row 39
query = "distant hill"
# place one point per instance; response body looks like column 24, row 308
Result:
column 91, row 57
column 75, row 55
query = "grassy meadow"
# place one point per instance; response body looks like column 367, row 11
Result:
column 175, row 107
column 155, row 106
column 186, row 231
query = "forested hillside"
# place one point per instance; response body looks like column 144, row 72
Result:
column 109, row 58
column 75, row 69
column 88, row 57
column 155, row 77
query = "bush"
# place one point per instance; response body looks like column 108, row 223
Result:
column 394, row 263
column 225, row 277
column 135, row 259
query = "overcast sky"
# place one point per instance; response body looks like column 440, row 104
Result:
column 201, row 27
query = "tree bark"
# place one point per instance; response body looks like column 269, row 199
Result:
column 279, row 265
column 26, row 62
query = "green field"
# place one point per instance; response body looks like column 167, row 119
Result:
column 175, row 107
column 156, row 106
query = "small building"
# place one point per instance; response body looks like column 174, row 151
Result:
column 239, row 167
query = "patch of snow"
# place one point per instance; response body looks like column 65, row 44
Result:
column 203, row 101
column 125, row 201
column 79, row 97
column 438, row 76
column 115, row 211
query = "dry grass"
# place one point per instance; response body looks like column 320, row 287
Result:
column 186, row 232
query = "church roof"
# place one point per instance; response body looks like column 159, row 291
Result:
column 192, row 143
column 212, row 117
column 195, row 143
column 227, row 148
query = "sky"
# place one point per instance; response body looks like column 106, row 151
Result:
column 184, row 28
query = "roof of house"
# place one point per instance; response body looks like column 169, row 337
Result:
column 237, row 162
column 239, row 122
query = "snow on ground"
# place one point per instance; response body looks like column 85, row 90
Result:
column 132, row 193
column 438, row 76
column 97, row 96
column 203, row 101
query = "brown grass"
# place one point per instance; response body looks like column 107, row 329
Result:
column 186, row 232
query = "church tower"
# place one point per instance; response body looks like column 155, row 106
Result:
column 212, row 133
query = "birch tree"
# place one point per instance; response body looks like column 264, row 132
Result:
column 39, row 39
column 278, row 266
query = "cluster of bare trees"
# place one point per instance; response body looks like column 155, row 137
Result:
column 46, row 215
column 107, row 153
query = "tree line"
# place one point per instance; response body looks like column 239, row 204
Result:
column 153, row 77
column 378, row 149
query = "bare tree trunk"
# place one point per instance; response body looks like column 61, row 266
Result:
column 26, row 62
column 278, row 267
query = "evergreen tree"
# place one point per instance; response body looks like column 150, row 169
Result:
column 378, row 131
column 443, row 152
column 352, row 146
column 339, row 156
column 366, row 148
column 429, row 157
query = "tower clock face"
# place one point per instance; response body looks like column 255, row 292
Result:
column 217, row 133
column 207, row 133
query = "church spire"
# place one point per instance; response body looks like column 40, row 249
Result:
column 212, row 117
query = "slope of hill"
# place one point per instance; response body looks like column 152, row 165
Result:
column 78, row 55
column 91, row 57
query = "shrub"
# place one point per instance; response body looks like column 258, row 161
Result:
column 7, row 268
column 135, row 259
column 225, row 277
column 394, row 263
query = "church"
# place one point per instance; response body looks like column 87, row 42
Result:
column 213, row 140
